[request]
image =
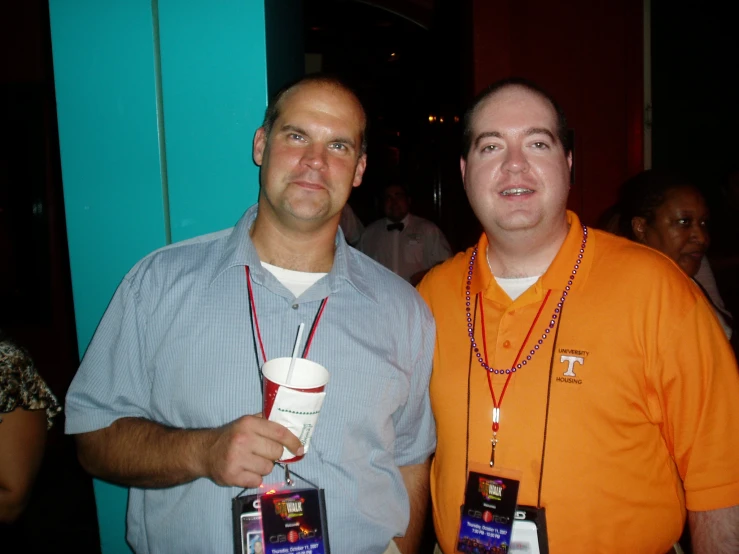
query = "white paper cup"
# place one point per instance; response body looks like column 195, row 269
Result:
column 295, row 405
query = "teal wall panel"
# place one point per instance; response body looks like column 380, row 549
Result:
column 214, row 95
column 126, row 71
column 104, row 72
column 106, row 106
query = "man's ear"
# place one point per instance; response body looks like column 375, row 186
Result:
column 462, row 166
column 258, row 146
column 359, row 171
column 639, row 228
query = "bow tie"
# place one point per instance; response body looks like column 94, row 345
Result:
column 396, row 226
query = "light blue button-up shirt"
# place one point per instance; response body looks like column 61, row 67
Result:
column 176, row 346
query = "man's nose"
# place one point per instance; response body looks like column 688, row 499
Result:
column 314, row 156
column 515, row 160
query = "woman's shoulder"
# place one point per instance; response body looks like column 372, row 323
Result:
column 20, row 384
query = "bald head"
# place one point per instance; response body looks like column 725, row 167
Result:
column 275, row 105
column 470, row 116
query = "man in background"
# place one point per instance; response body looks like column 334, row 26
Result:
column 406, row 244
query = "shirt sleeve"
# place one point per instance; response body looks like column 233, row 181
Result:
column 365, row 241
column 415, row 428
column 351, row 225
column 438, row 248
column 112, row 381
column 696, row 399
column 20, row 384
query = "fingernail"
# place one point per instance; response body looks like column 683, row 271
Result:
column 300, row 451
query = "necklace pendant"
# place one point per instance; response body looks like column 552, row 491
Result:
column 493, row 443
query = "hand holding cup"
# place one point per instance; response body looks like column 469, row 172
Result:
column 244, row 451
column 294, row 403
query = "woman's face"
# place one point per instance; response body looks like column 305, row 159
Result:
column 679, row 229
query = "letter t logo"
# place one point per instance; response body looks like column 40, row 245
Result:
column 571, row 360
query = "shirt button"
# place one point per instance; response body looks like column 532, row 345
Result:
column 295, row 306
column 507, row 344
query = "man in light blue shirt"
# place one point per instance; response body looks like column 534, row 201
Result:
column 167, row 400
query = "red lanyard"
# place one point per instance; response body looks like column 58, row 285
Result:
column 253, row 308
column 498, row 402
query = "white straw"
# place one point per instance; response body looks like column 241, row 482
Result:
column 295, row 353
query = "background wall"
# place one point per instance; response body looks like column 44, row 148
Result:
column 157, row 104
column 589, row 56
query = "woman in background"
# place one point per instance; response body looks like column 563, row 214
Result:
column 27, row 407
column 665, row 211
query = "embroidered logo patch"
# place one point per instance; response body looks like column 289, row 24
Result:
column 571, row 361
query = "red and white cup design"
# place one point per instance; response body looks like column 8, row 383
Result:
column 299, row 402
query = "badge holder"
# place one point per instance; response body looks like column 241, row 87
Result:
column 489, row 509
column 491, row 519
column 284, row 519
column 530, row 531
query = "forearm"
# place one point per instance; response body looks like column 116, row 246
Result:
column 715, row 531
column 140, row 453
column 22, row 436
column 416, row 480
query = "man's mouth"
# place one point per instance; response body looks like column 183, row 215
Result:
column 309, row 184
column 517, row 191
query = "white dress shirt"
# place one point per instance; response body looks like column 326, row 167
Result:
column 419, row 246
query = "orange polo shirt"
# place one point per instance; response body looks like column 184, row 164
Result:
column 628, row 412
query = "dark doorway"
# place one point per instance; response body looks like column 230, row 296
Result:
column 409, row 62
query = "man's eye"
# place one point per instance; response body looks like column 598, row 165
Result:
column 338, row 146
column 490, row 148
column 540, row 145
column 684, row 221
column 295, row 136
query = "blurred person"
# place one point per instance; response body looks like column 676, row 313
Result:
column 27, row 407
column 351, row 225
column 588, row 363
column 664, row 211
column 706, row 280
column 168, row 399
column 406, row 244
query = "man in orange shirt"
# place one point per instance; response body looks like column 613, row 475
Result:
column 588, row 364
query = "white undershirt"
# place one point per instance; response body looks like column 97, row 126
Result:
column 296, row 282
column 517, row 286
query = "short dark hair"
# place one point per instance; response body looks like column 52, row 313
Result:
column 496, row 87
column 273, row 108
column 641, row 195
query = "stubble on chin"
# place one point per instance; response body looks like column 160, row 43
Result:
column 307, row 207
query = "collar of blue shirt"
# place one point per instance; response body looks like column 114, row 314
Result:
column 239, row 251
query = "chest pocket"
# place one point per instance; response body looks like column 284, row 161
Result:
column 376, row 387
column 413, row 251
column 356, row 420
